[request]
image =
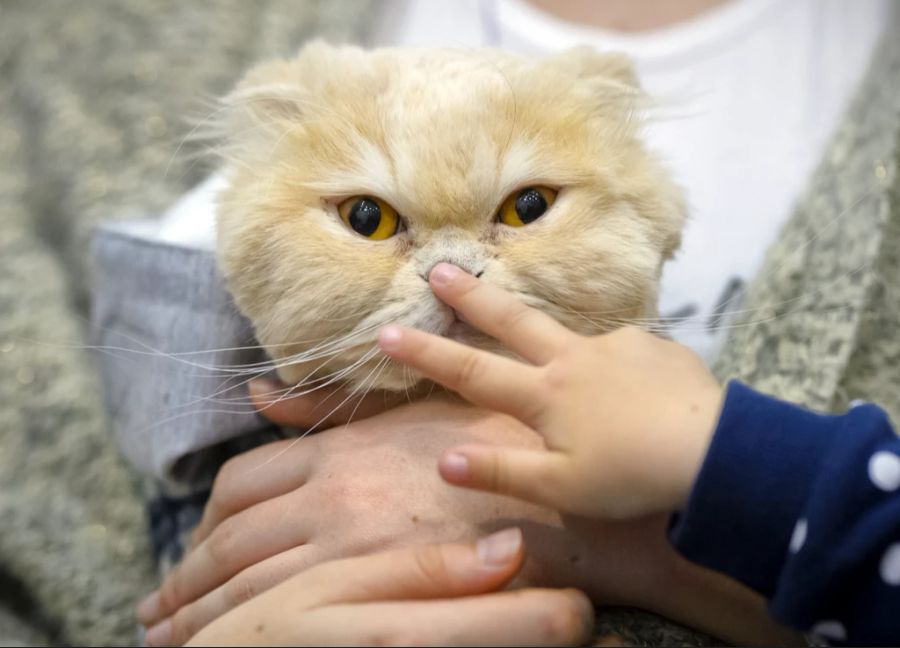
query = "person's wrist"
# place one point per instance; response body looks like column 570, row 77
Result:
column 618, row 563
column 714, row 603
column 692, row 446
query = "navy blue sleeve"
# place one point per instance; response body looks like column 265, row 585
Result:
column 805, row 509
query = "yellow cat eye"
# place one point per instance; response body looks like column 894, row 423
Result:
column 525, row 206
column 371, row 217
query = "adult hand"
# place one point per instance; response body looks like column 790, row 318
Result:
column 627, row 417
column 284, row 507
column 426, row 595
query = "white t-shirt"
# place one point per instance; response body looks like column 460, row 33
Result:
column 749, row 93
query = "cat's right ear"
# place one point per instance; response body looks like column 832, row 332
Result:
column 256, row 116
column 267, row 104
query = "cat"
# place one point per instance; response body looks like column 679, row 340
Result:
column 352, row 172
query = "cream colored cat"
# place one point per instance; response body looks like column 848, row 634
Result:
column 352, row 173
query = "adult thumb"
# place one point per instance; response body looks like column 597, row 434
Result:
column 420, row 572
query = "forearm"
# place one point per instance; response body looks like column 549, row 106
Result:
column 634, row 564
column 716, row 604
column 802, row 508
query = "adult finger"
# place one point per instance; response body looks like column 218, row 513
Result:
column 426, row 571
column 249, row 583
column 243, row 481
column 532, row 475
column 322, row 408
column 242, row 540
column 420, row 572
column 534, row 617
column 480, row 377
column 252, row 477
column 534, row 335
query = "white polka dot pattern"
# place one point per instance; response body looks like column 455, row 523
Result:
column 830, row 630
column 884, row 470
column 890, row 565
column 798, row 537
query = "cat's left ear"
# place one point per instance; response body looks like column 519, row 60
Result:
column 612, row 67
column 608, row 77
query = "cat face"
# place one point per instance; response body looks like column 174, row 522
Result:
column 352, row 173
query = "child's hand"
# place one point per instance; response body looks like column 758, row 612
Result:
column 627, row 417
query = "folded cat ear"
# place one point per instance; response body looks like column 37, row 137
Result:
column 609, row 79
column 267, row 103
column 270, row 103
column 279, row 91
column 589, row 64
column 275, row 98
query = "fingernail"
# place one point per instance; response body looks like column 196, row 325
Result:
column 455, row 466
column 261, row 386
column 498, row 549
column 443, row 274
column 160, row 634
column 149, row 607
column 390, row 337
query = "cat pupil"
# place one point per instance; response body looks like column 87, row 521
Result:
column 530, row 205
column 365, row 216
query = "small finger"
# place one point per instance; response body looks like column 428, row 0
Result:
column 322, row 408
column 533, row 475
column 534, row 335
column 480, row 377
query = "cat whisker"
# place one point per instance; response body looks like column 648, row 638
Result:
column 191, row 134
column 380, row 366
column 340, row 373
column 148, row 350
column 407, row 377
column 855, row 203
column 323, row 419
column 290, row 392
column 728, row 314
column 336, row 378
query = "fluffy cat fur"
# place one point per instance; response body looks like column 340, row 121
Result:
column 444, row 136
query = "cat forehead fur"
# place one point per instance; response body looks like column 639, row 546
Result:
column 443, row 136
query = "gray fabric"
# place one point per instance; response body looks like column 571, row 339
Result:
column 821, row 324
column 157, row 308
column 94, row 100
